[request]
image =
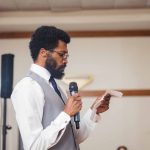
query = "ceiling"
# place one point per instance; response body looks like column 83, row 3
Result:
column 70, row 5
column 75, row 15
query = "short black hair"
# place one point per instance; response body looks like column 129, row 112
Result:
column 46, row 37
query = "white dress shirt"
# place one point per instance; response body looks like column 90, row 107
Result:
column 28, row 101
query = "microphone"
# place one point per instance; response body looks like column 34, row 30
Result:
column 73, row 88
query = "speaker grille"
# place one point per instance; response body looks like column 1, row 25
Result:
column 6, row 75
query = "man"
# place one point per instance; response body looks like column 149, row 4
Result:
column 43, row 112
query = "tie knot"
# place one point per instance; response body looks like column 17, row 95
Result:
column 53, row 82
column 51, row 79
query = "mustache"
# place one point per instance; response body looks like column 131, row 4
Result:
column 62, row 66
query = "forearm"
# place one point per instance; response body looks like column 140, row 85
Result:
column 87, row 125
column 42, row 139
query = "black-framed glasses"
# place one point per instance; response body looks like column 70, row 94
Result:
column 62, row 54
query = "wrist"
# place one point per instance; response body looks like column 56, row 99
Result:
column 94, row 116
column 68, row 113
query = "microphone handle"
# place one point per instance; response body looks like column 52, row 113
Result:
column 77, row 115
column 77, row 120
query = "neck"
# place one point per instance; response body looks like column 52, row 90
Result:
column 39, row 63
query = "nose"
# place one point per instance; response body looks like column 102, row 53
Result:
column 65, row 61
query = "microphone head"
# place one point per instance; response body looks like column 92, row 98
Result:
column 73, row 87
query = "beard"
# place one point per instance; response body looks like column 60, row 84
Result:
column 55, row 70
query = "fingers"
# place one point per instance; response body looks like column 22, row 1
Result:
column 102, row 108
column 77, row 96
column 77, row 101
column 105, row 103
column 73, row 105
column 107, row 97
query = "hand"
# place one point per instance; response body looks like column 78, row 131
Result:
column 73, row 105
column 101, row 104
column 104, row 106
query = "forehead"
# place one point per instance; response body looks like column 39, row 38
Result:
column 62, row 46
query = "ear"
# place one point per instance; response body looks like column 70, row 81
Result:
column 43, row 53
column 42, row 56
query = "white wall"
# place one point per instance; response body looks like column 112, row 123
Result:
column 115, row 63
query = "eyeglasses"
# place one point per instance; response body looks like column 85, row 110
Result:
column 62, row 54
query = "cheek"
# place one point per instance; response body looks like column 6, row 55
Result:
column 55, row 62
column 51, row 62
column 59, row 62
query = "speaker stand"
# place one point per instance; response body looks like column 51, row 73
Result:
column 5, row 127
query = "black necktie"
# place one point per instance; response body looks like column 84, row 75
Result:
column 54, row 84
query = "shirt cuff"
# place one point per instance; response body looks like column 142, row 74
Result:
column 62, row 119
column 91, row 118
column 94, row 117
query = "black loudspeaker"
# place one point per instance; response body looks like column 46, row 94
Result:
column 6, row 75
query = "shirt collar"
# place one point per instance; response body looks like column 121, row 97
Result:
column 41, row 71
